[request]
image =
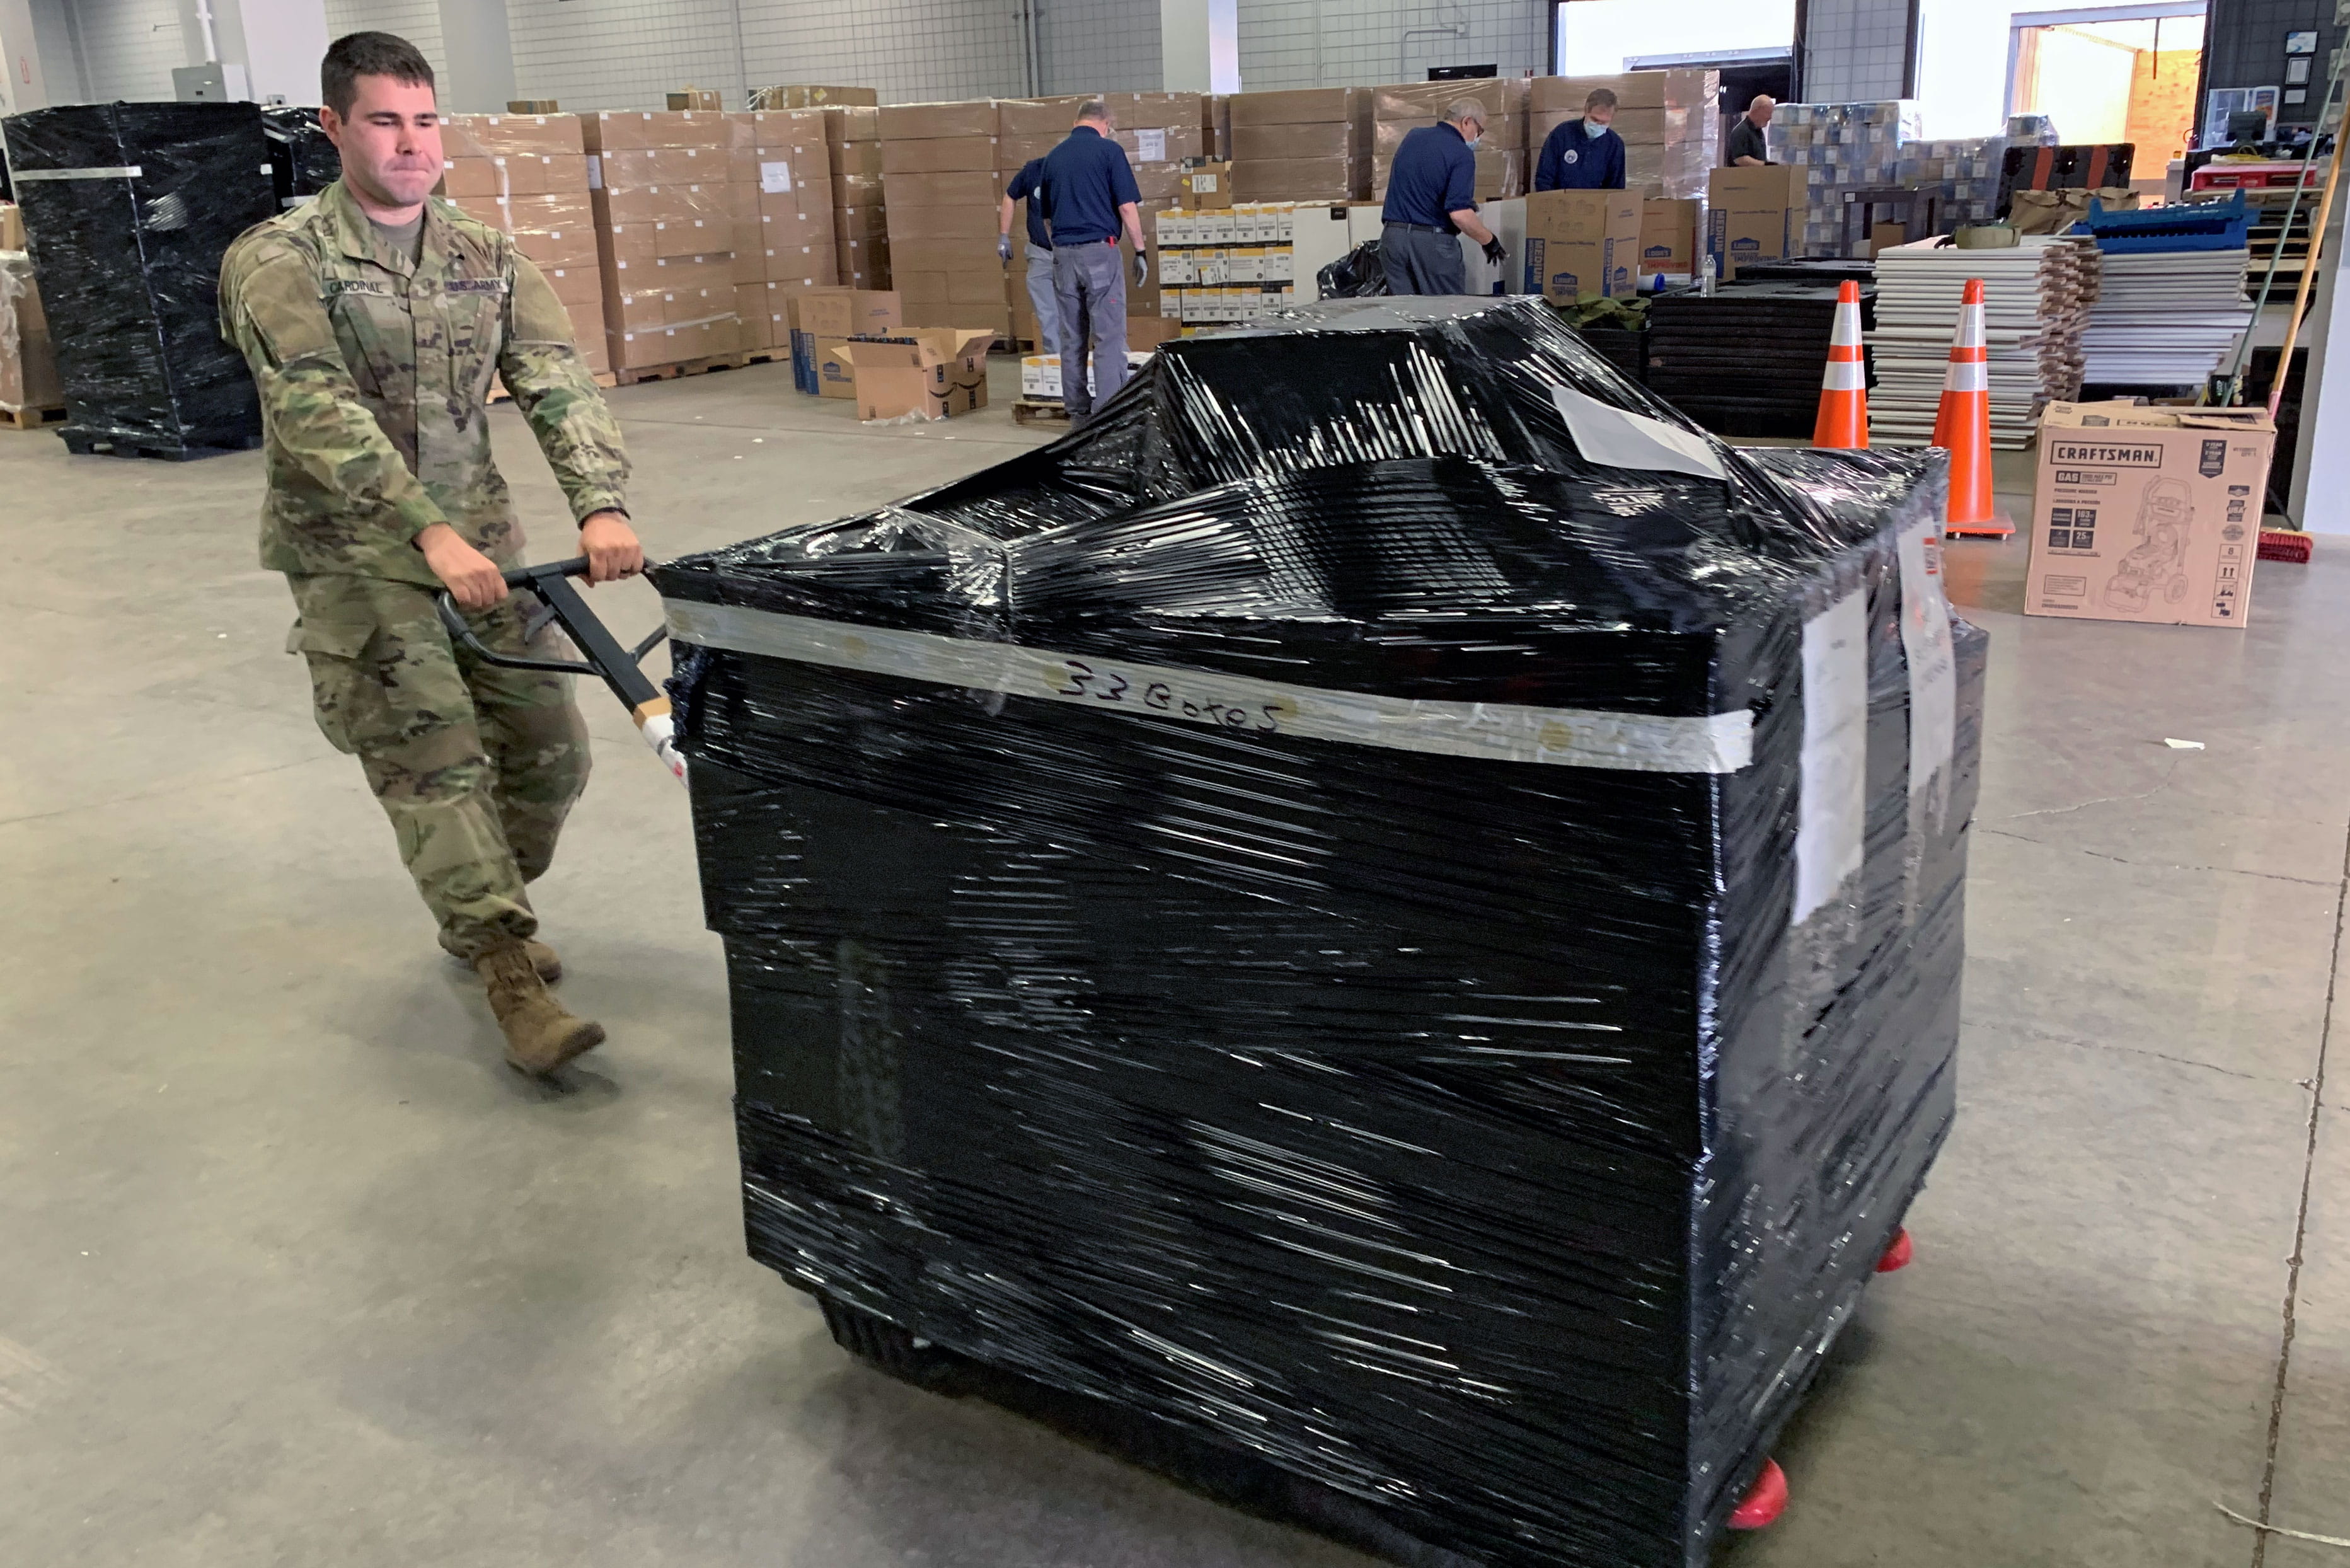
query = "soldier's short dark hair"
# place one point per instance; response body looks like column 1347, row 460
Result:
column 357, row 55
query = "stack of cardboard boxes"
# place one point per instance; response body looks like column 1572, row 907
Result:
column 1219, row 266
column 783, row 241
column 528, row 176
column 28, row 365
column 1310, row 145
column 942, row 188
column 823, row 319
column 810, row 96
column 665, row 230
column 1163, row 134
column 1840, row 147
column 860, row 232
column 1670, row 122
column 1396, row 112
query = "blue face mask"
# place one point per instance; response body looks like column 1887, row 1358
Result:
column 1472, row 140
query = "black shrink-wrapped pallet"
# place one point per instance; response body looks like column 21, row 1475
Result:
column 1387, row 910
column 302, row 161
column 130, row 208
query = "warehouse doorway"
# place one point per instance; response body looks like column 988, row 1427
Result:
column 2118, row 74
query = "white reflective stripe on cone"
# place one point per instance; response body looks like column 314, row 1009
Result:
column 1844, row 375
column 1847, row 327
column 1966, row 376
column 1970, row 326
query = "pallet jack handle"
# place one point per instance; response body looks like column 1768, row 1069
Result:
column 619, row 668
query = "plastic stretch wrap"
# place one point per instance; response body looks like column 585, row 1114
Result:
column 129, row 207
column 302, row 161
column 1317, row 915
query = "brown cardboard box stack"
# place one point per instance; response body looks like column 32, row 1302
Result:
column 527, row 175
column 1753, row 214
column 784, row 239
column 861, row 230
column 1669, row 121
column 1583, row 244
column 1669, row 235
column 1160, row 132
column 665, row 229
column 1309, row 145
column 1396, row 112
column 941, row 185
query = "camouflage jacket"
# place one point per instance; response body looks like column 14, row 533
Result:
column 374, row 371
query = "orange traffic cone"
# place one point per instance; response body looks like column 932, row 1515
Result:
column 1962, row 425
column 1843, row 385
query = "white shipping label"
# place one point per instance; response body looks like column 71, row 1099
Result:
column 1607, row 434
column 1833, row 803
column 1150, row 146
column 774, row 179
column 1933, row 665
column 1202, row 183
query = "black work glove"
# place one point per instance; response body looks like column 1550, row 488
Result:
column 1141, row 269
column 1495, row 252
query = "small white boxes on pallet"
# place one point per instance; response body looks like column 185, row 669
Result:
column 1226, row 264
column 1040, row 374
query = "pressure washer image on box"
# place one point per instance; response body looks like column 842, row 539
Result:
column 1378, row 928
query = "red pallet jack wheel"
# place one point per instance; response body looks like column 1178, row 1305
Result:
column 1899, row 1254
column 1764, row 1502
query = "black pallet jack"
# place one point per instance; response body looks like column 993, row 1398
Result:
column 603, row 656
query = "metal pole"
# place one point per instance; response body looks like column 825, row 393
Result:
column 2231, row 386
column 2308, row 276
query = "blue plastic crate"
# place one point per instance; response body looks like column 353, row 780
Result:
column 2199, row 226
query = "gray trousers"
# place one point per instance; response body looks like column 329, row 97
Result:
column 1042, row 300
column 1090, row 281
column 1419, row 262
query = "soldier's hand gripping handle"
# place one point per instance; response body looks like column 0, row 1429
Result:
column 473, row 579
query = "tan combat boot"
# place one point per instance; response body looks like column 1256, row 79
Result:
column 541, row 1037
column 541, row 958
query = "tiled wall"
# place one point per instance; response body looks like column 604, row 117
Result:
column 1854, row 50
column 1098, row 46
column 418, row 21
column 1335, row 43
column 130, row 46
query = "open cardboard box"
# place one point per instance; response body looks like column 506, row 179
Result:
column 922, row 372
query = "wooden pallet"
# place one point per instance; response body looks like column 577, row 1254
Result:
column 30, row 419
column 1028, row 413
column 90, row 446
column 498, row 393
column 733, row 361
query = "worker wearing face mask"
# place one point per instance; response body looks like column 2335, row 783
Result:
column 1432, row 199
column 1584, row 154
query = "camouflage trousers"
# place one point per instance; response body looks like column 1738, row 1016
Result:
column 476, row 766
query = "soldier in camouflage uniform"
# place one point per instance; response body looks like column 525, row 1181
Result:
column 373, row 318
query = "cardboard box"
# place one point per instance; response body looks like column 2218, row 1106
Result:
column 12, row 226
column 1669, row 235
column 1206, row 185
column 28, row 365
column 972, row 253
column 810, row 96
column 577, row 286
column 1324, row 138
column 1021, row 117
column 854, row 158
column 868, row 222
column 2151, row 515
column 1160, row 143
column 695, row 98
column 1298, row 179
column 938, row 155
column 1302, row 107
column 845, row 312
column 1581, row 244
column 1425, row 102
column 553, row 231
column 1685, row 88
column 531, row 105
column 635, row 349
column 615, row 131
column 487, row 135
column 1753, row 214
column 955, row 188
column 627, row 169
column 852, row 123
column 1506, row 133
column 932, row 373
column 929, row 121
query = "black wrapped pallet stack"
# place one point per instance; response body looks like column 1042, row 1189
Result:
column 129, row 208
column 1385, row 915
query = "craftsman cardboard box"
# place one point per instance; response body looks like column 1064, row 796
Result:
column 1581, row 244
column 1753, row 214
column 932, row 373
column 2148, row 514
column 1669, row 235
column 928, row 121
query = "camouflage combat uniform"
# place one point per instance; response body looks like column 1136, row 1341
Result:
column 374, row 370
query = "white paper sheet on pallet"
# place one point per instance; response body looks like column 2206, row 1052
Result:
column 1832, row 810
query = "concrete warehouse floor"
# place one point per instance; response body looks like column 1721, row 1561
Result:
column 295, row 1272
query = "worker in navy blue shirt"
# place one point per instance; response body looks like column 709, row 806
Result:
column 1584, row 154
column 1431, row 201
column 1089, row 197
column 1028, row 185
